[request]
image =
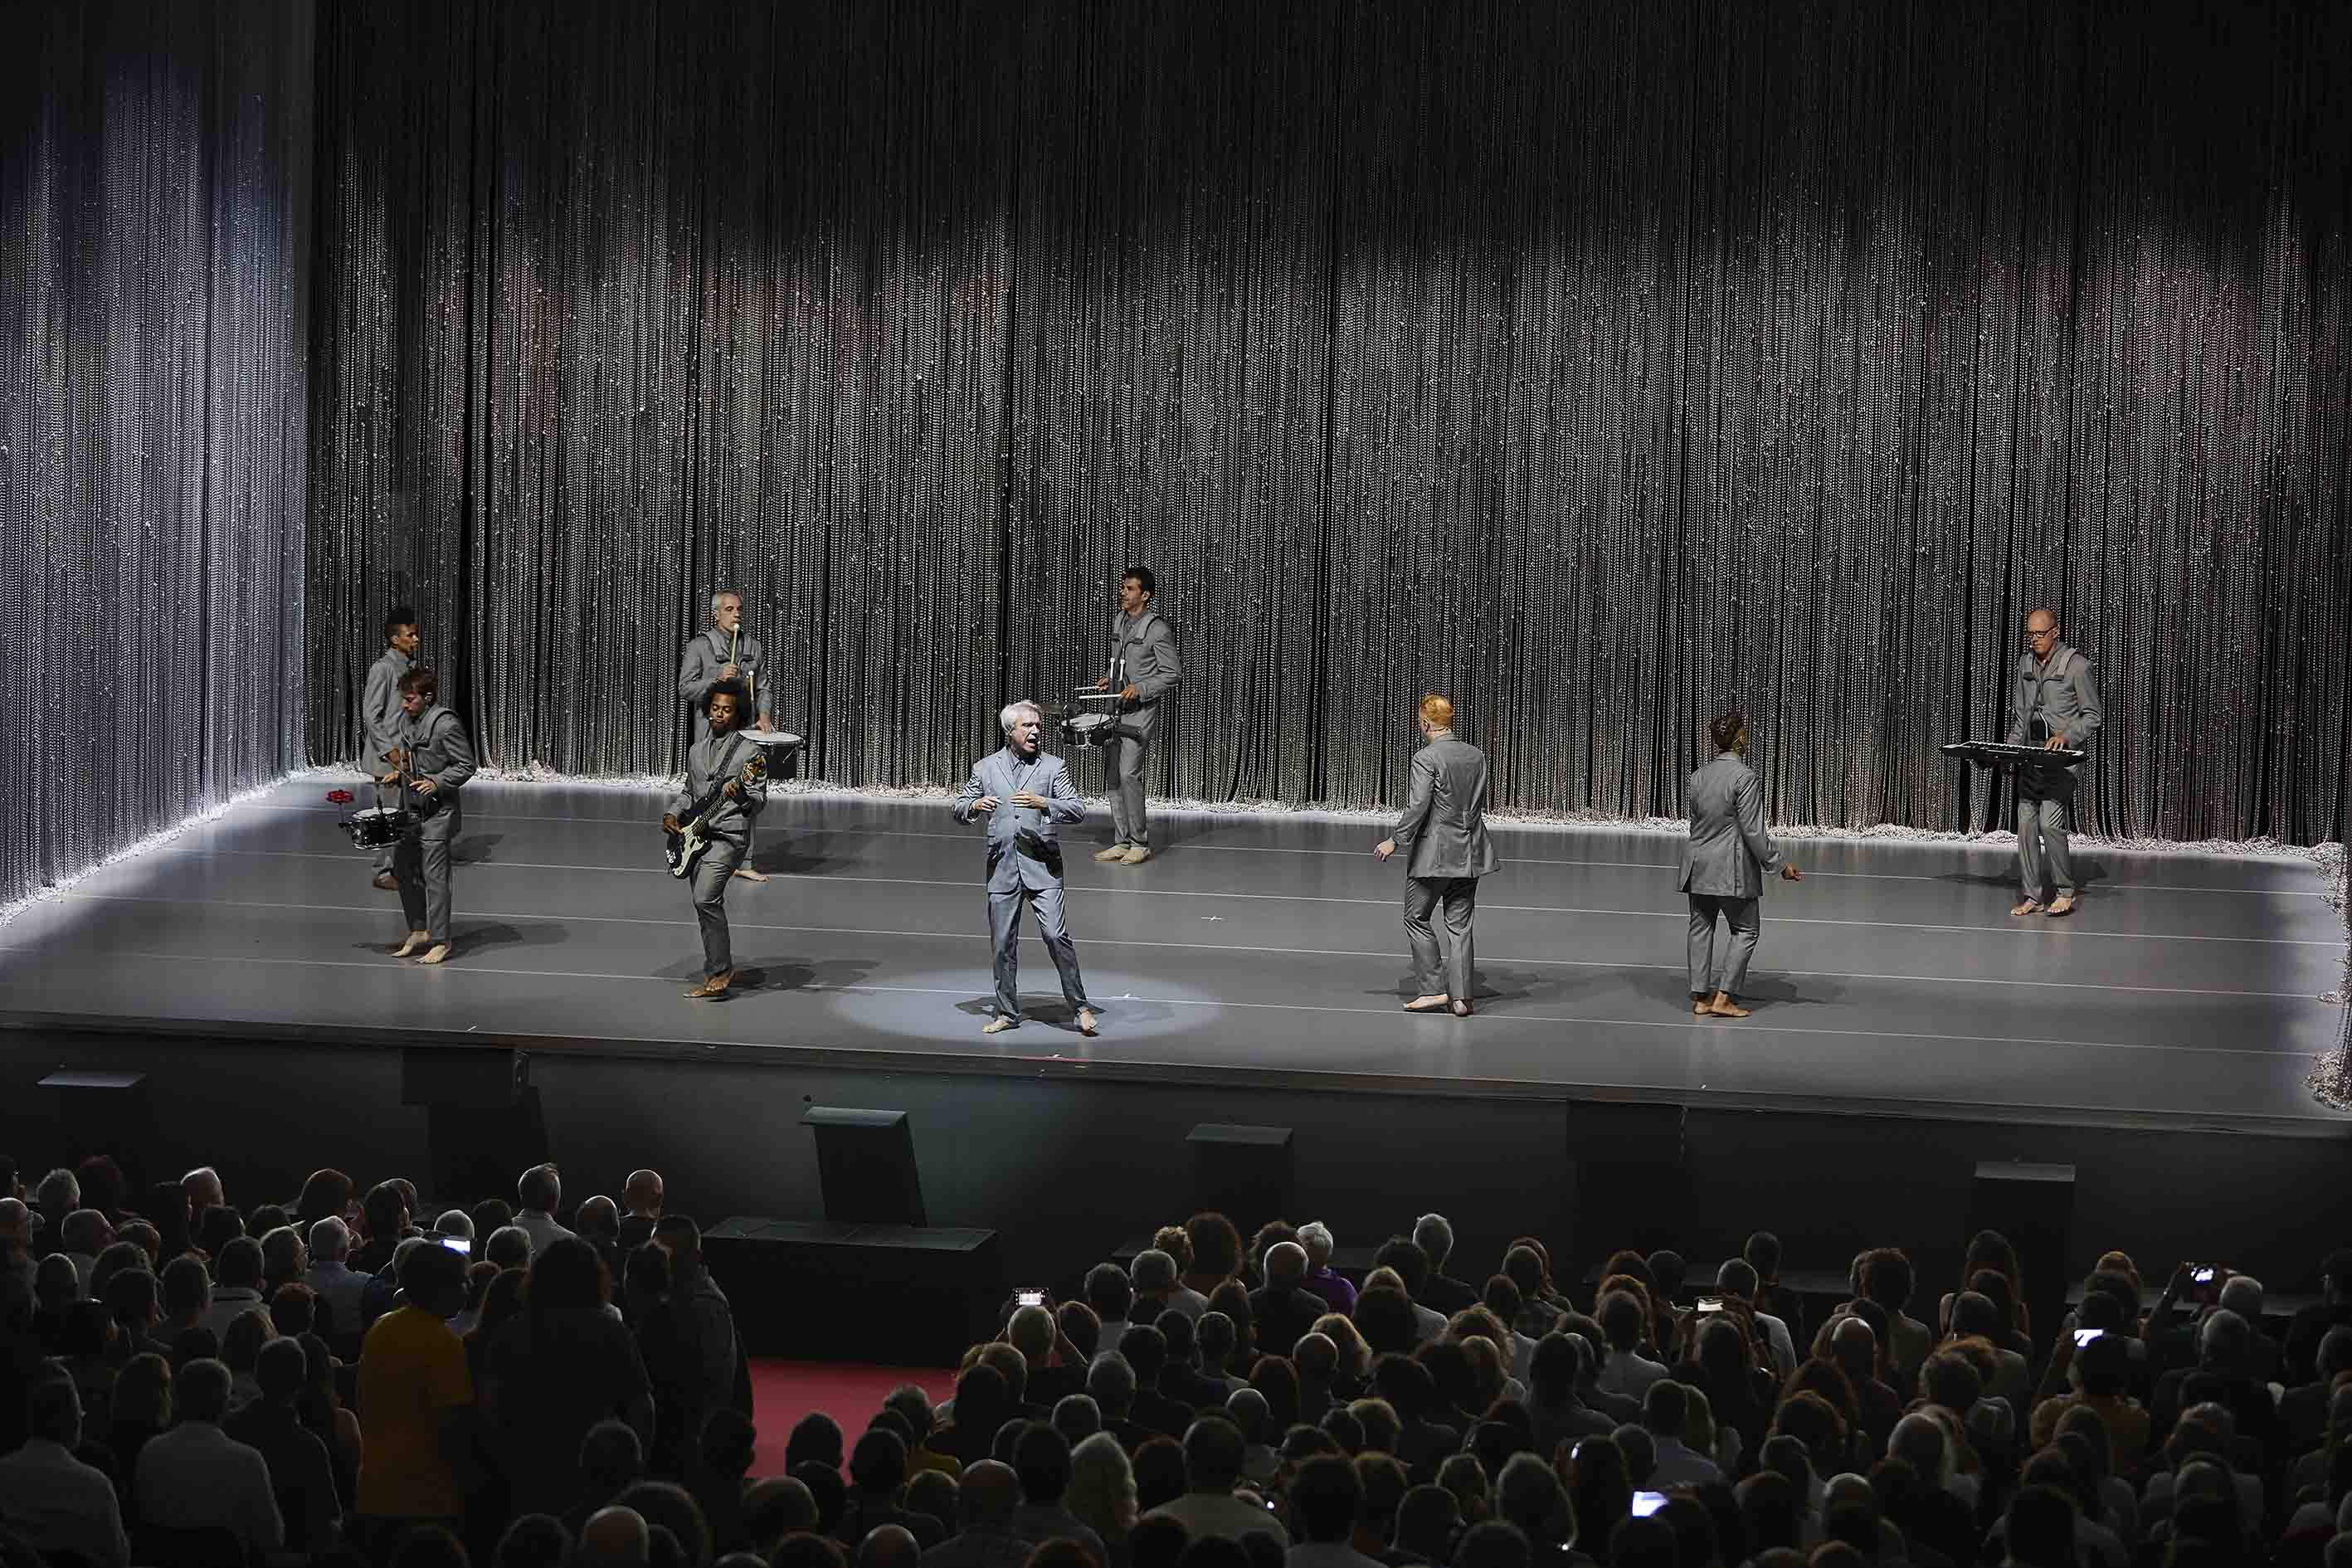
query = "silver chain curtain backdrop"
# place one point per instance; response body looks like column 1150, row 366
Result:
column 154, row 187
column 1603, row 367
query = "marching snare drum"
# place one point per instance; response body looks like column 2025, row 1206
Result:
column 782, row 749
column 1087, row 729
column 377, row 826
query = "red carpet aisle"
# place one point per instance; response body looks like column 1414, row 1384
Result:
column 785, row 1391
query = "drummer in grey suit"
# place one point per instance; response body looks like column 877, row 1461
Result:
column 380, row 711
column 2056, row 704
column 1723, row 869
column 1444, row 834
column 1143, row 669
column 1026, row 795
column 724, row 652
column 439, row 759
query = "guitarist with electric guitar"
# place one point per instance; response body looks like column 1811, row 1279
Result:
column 708, row 825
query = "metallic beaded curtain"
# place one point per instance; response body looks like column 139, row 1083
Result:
column 154, row 254
column 1602, row 367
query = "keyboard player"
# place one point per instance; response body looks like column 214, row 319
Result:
column 2055, row 705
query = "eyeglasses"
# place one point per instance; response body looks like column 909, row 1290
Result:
column 2037, row 636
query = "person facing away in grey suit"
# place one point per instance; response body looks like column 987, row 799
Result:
column 1143, row 669
column 438, row 759
column 2057, row 698
column 721, row 754
column 1723, row 869
column 1443, row 835
column 380, row 711
column 1026, row 795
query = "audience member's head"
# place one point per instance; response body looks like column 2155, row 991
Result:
column 616, row 1536
column 200, row 1390
column 1109, row 1292
column 534, row 1540
column 538, row 1190
column 663, row 1505
column 815, row 1438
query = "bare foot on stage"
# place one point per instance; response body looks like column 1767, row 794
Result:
column 417, row 939
column 437, row 953
column 998, row 1025
column 748, row 875
column 2063, row 905
column 1088, row 1023
column 387, row 881
column 1461, row 1009
column 1699, row 1006
column 1426, row 1004
column 716, row 985
column 2026, row 907
column 1723, row 1006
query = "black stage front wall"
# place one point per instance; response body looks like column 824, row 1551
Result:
column 1066, row 1168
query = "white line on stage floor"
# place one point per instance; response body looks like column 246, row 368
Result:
column 1193, row 846
column 737, row 923
column 2074, row 927
column 1109, row 1007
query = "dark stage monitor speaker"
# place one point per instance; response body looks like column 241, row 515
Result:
column 2034, row 1205
column 865, row 1166
column 102, row 1112
column 469, row 1077
column 1633, row 1179
column 482, row 1118
column 1242, row 1173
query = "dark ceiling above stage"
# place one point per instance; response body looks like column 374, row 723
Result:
column 1601, row 365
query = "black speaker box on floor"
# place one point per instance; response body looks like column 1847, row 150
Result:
column 1242, row 1173
column 865, row 1166
column 483, row 1120
column 2034, row 1205
column 1633, row 1182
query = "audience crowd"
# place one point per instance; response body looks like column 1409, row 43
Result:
column 347, row 1380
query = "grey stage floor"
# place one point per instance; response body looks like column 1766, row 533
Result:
column 2185, row 992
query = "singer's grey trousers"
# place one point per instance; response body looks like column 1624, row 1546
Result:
column 1005, row 935
column 422, row 864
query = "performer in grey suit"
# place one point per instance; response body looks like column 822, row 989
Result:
column 1444, row 834
column 438, row 757
column 724, row 652
column 380, row 711
column 1723, row 869
column 2057, row 702
column 719, row 754
column 1026, row 795
column 1143, row 669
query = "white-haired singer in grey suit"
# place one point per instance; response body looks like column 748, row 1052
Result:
column 1444, row 834
column 1026, row 795
column 1723, row 871
column 2056, row 704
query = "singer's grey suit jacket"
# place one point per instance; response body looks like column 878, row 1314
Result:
column 1003, row 773
column 1442, row 832
column 1729, row 851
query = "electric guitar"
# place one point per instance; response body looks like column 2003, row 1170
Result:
column 687, row 845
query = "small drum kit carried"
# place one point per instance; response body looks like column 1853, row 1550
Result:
column 1081, row 728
